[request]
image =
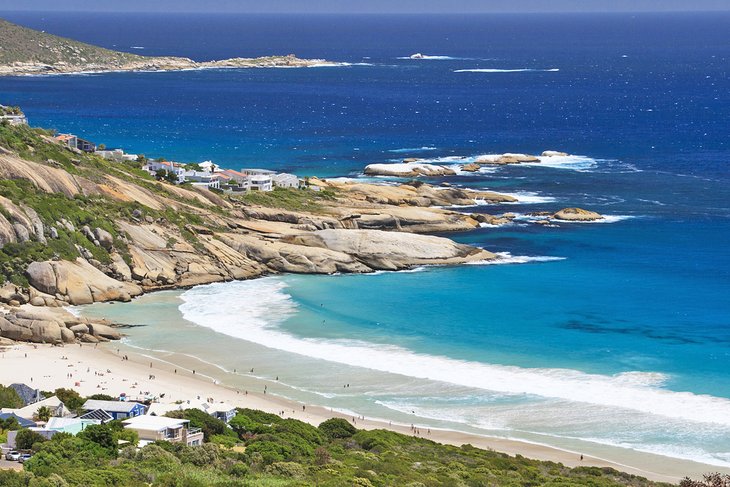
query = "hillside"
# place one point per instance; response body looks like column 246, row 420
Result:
column 25, row 51
column 23, row 45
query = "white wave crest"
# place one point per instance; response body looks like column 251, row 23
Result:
column 425, row 57
column 413, row 149
column 252, row 310
column 494, row 70
column 528, row 198
column 507, row 258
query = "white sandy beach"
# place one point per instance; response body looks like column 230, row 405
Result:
column 90, row 369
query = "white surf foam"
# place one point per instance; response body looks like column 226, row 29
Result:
column 425, row 57
column 507, row 258
column 529, row 198
column 253, row 310
column 413, row 149
column 495, row 70
column 604, row 220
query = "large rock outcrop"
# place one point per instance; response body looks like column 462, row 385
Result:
column 577, row 214
column 78, row 282
column 408, row 170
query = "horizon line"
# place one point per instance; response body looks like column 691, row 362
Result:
column 434, row 12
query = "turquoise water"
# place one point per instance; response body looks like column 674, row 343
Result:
column 594, row 336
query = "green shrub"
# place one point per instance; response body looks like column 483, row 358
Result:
column 286, row 469
column 9, row 398
column 337, row 428
column 27, row 439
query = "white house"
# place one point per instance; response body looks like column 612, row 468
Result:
column 116, row 155
column 155, row 428
column 174, row 167
column 53, row 403
column 284, row 180
column 261, row 183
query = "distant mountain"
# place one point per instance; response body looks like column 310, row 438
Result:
column 26, row 51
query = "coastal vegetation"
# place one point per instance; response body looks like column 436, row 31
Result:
column 24, row 45
column 265, row 449
column 289, row 199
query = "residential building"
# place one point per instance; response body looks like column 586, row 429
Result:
column 220, row 410
column 172, row 167
column 70, row 425
column 257, row 172
column 85, row 145
column 224, row 412
column 115, row 409
column 12, row 115
column 155, row 428
column 97, row 415
column 27, row 394
column 74, row 142
column 53, row 403
column 234, row 180
column 284, row 180
column 69, row 140
column 116, row 155
column 261, row 182
column 14, row 119
column 24, row 423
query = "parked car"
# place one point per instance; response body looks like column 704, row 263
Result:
column 13, row 456
column 24, row 457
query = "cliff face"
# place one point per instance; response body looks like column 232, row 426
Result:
column 76, row 229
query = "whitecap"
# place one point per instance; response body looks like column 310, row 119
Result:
column 507, row 258
column 495, row 70
column 413, row 149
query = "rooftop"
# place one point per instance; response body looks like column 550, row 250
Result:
column 112, row 406
column 154, row 423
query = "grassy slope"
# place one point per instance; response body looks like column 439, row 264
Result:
column 21, row 44
column 93, row 210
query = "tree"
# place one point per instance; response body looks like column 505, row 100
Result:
column 70, row 398
column 44, row 413
column 101, row 434
column 102, row 397
column 26, row 438
column 9, row 398
column 101, row 146
column 9, row 423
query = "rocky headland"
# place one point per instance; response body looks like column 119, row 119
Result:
column 76, row 229
column 25, row 51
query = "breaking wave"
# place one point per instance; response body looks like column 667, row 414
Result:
column 254, row 310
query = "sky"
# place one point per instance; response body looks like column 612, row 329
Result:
column 363, row 6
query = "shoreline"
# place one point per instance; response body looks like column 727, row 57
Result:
column 43, row 70
column 81, row 360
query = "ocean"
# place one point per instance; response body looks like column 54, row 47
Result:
column 607, row 338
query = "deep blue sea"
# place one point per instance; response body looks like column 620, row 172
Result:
column 612, row 333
